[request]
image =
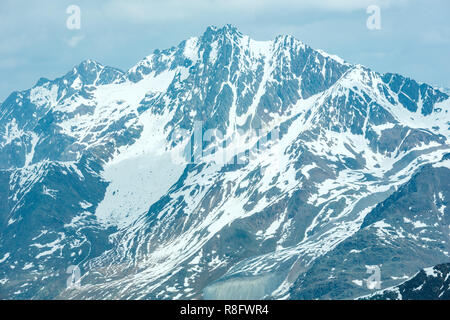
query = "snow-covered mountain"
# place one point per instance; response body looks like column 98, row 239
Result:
column 431, row 283
column 223, row 167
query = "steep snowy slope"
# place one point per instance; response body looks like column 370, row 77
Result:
column 221, row 168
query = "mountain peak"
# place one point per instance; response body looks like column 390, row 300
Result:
column 91, row 72
column 227, row 30
column 89, row 63
column 87, row 67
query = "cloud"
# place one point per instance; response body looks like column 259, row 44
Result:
column 74, row 41
column 435, row 36
column 178, row 10
column 12, row 63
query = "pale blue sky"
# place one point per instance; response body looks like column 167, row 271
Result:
column 414, row 39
